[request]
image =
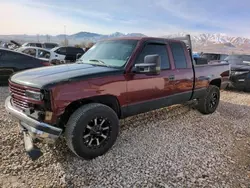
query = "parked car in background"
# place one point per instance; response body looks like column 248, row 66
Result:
column 49, row 45
column 37, row 52
column 33, row 44
column 114, row 79
column 240, row 71
column 213, row 56
column 12, row 45
column 12, row 61
column 68, row 53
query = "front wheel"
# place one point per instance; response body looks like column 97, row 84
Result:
column 210, row 102
column 92, row 130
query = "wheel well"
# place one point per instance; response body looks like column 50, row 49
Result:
column 108, row 100
column 216, row 82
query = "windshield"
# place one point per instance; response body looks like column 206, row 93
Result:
column 113, row 53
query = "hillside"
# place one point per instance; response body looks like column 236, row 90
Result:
column 201, row 42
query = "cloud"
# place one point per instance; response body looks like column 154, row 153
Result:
column 69, row 8
column 21, row 19
column 213, row 15
column 145, row 16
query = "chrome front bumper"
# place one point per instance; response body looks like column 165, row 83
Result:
column 36, row 129
column 33, row 129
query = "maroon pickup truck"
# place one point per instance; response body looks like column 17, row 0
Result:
column 114, row 79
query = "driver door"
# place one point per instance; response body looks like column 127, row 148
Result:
column 149, row 92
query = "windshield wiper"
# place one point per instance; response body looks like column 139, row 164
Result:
column 99, row 61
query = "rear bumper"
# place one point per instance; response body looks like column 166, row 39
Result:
column 36, row 129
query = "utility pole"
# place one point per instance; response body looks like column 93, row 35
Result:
column 65, row 40
column 48, row 38
column 37, row 37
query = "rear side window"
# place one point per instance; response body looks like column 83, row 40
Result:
column 151, row 49
column 43, row 54
column 179, row 55
column 61, row 51
column 39, row 45
column 71, row 50
column 74, row 51
column 32, row 44
column 49, row 45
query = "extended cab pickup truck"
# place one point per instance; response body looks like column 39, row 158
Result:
column 114, row 79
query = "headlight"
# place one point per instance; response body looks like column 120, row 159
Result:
column 242, row 72
column 34, row 95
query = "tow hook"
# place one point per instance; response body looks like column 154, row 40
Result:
column 32, row 150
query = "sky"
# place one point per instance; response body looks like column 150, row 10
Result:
column 150, row 17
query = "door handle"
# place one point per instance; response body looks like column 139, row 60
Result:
column 171, row 77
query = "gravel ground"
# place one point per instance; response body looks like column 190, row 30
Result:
column 173, row 147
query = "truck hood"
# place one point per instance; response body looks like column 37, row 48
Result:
column 45, row 76
column 240, row 67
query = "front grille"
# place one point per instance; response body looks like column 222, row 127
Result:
column 16, row 90
column 17, row 93
column 20, row 104
column 19, row 98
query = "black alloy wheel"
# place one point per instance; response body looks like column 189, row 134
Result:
column 209, row 103
column 97, row 132
column 92, row 130
column 213, row 100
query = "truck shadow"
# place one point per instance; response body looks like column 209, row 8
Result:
column 75, row 168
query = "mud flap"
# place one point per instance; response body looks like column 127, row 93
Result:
column 33, row 152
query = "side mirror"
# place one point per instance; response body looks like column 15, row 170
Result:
column 78, row 55
column 150, row 66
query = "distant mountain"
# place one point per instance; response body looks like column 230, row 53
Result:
column 88, row 36
column 208, row 39
column 203, row 41
column 217, row 43
column 84, row 35
column 117, row 34
column 61, row 36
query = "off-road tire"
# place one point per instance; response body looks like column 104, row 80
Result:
column 204, row 103
column 77, row 124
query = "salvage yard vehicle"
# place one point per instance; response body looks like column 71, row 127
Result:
column 12, row 61
column 37, row 52
column 240, row 71
column 68, row 53
column 214, row 56
column 114, row 79
column 33, row 44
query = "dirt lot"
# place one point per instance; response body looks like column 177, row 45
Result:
column 174, row 147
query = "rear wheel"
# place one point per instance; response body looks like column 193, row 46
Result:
column 210, row 102
column 92, row 130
